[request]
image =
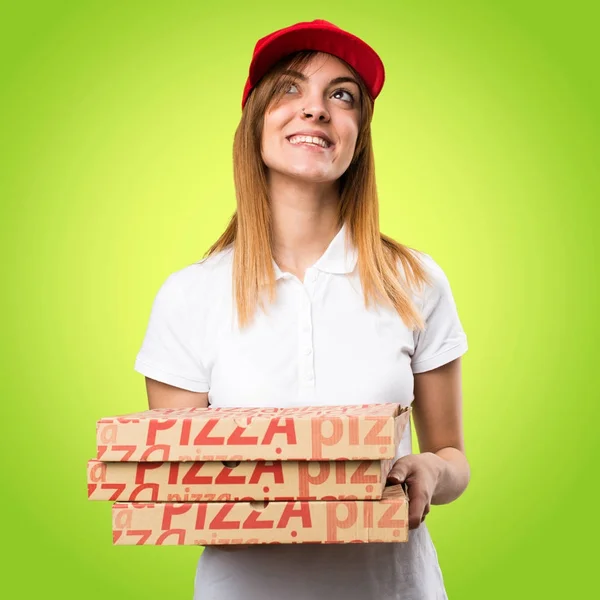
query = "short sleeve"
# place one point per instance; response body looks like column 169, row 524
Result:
column 443, row 338
column 167, row 353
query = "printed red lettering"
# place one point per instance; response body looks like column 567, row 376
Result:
column 141, row 469
column 368, row 513
column 170, row 510
column 353, row 422
column 173, row 473
column 226, row 541
column 179, row 536
column 386, row 519
column 334, row 522
column 153, row 487
column 118, row 488
column 340, row 497
column 155, row 426
column 186, row 425
column 224, row 476
column 108, row 433
column 123, row 518
column 306, row 479
column 192, row 478
column 98, row 472
column 219, row 520
column 128, row 451
column 215, row 457
column 290, row 511
column 340, row 471
column 237, row 438
column 277, row 428
column 164, row 448
column 261, row 468
column 143, row 533
column 360, row 475
column 200, row 516
column 372, row 438
column 319, row 439
column 253, row 522
column 204, row 438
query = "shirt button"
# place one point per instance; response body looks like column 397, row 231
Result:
column 307, row 351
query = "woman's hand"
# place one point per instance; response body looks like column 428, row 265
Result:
column 421, row 473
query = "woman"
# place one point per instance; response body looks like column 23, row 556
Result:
column 303, row 302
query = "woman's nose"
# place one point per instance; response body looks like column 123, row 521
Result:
column 315, row 110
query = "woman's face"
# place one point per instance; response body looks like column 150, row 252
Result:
column 326, row 92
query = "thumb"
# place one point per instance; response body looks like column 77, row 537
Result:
column 399, row 472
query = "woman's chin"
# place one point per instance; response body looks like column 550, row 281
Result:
column 310, row 175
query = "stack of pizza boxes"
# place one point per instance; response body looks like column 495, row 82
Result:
column 252, row 475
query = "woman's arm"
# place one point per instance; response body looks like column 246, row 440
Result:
column 437, row 415
column 163, row 395
column 440, row 472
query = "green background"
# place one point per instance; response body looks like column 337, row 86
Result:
column 117, row 129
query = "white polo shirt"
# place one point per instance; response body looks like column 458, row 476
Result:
column 317, row 345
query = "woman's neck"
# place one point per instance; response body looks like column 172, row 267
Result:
column 305, row 218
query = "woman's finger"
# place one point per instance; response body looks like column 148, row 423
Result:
column 400, row 471
column 417, row 504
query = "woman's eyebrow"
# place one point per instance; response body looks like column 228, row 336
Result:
column 344, row 80
column 335, row 81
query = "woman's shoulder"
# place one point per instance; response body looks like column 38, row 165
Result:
column 204, row 278
column 215, row 264
column 435, row 276
column 432, row 266
column 416, row 261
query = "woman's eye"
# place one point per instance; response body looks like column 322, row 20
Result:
column 348, row 100
column 347, row 93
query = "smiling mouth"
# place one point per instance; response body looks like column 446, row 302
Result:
column 307, row 142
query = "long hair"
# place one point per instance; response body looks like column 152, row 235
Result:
column 249, row 231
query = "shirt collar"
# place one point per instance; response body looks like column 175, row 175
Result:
column 340, row 257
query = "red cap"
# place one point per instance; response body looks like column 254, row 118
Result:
column 321, row 36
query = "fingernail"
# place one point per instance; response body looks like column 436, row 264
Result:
column 394, row 480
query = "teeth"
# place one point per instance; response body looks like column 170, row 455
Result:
column 307, row 139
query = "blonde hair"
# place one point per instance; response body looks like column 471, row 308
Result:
column 249, row 231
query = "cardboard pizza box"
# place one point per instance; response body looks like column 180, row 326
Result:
column 211, row 481
column 291, row 522
column 315, row 433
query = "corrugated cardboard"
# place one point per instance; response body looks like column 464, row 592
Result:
column 212, row 523
column 365, row 432
column 219, row 481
